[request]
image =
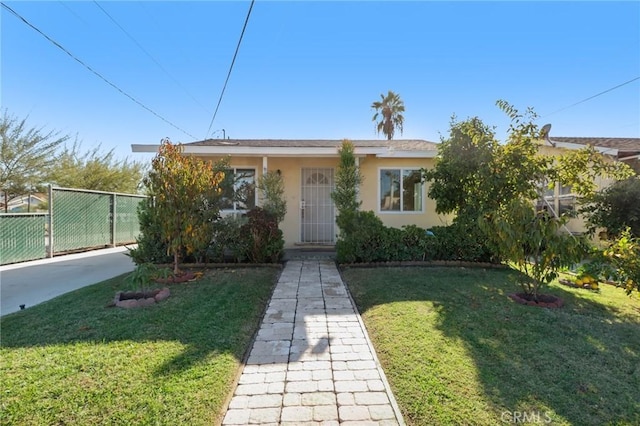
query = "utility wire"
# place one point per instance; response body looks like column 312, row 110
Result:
column 58, row 45
column 591, row 97
column 230, row 68
column 150, row 56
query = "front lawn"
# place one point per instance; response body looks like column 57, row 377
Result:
column 456, row 350
column 74, row 361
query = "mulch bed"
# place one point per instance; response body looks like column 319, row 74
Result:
column 544, row 300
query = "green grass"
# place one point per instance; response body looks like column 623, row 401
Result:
column 73, row 360
column 457, row 350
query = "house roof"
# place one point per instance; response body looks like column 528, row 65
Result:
column 621, row 144
column 402, row 148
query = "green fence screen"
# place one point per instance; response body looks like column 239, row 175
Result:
column 84, row 219
column 22, row 237
column 80, row 220
column 127, row 224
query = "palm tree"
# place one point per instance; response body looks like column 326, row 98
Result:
column 388, row 114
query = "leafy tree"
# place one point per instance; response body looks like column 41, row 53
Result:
column 615, row 208
column 389, row 114
column 345, row 193
column 96, row 170
column 26, row 155
column 271, row 186
column 186, row 193
column 475, row 174
column 533, row 243
column 495, row 185
column 464, row 164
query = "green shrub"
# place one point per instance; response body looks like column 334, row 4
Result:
column 227, row 240
column 262, row 237
column 363, row 244
column 371, row 241
column 459, row 241
column 152, row 248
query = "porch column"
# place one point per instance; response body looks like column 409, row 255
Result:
column 358, row 169
column 264, row 165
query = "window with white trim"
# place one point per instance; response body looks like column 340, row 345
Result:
column 239, row 189
column 401, row 190
column 560, row 198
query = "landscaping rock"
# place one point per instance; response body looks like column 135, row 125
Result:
column 129, row 303
column 162, row 294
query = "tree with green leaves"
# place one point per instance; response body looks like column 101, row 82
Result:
column 185, row 194
column 345, row 193
column 389, row 114
column 496, row 185
column 271, row 186
column 533, row 242
column 615, row 208
column 96, row 170
column 27, row 155
column 475, row 174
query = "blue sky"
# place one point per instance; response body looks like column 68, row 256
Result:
column 312, row 69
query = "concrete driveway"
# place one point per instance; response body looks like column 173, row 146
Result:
column 30, row 283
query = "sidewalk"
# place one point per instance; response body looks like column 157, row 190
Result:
column 312, row 362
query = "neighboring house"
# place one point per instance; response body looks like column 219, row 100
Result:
column 561, row 198
column 392, row 186
column 24, row 203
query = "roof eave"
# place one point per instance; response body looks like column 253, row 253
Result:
column 299, row 151
column 408, row 154
column 569, row 145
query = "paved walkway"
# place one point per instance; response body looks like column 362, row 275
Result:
column 312, row 362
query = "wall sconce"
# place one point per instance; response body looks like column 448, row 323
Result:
column 279, row 172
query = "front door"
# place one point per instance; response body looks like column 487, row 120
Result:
column 317, row 212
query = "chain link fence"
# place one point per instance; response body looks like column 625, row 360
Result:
column 23, row 237
column 77, row 220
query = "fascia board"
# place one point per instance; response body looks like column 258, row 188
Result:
column 600, row 149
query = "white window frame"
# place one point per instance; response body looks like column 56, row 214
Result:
column 235, row 209
column 557, row 197
column 401, row 211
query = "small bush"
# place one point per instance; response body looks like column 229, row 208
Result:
column 262, row 237
column 151, row 246
column 227, row 240
column 370, row 241
column 459, row 241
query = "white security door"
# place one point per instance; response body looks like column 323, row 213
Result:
column 317, row 212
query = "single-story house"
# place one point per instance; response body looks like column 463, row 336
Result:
column 23, row 203
column 392, row 185
column 562, row 198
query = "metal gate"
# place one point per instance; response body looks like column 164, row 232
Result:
column 317, row 212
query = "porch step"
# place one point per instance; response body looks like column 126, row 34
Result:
column 310, row 252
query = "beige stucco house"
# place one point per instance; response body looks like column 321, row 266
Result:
column 562, row 198
column 392, row 185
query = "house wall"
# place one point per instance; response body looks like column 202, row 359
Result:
column 291, row 168
column 578, row 224
column 370, row 193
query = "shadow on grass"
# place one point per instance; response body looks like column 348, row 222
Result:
column 581, row 361
column 214, row 315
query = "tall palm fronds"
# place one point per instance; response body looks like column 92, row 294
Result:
column 388, row 116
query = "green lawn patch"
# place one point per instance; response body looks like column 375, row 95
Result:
column 457, row 350
column 72, row 360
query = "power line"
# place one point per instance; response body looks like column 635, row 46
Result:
column 591, row 97
column 150, row 56
column 230, row 68
column 58, row 45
